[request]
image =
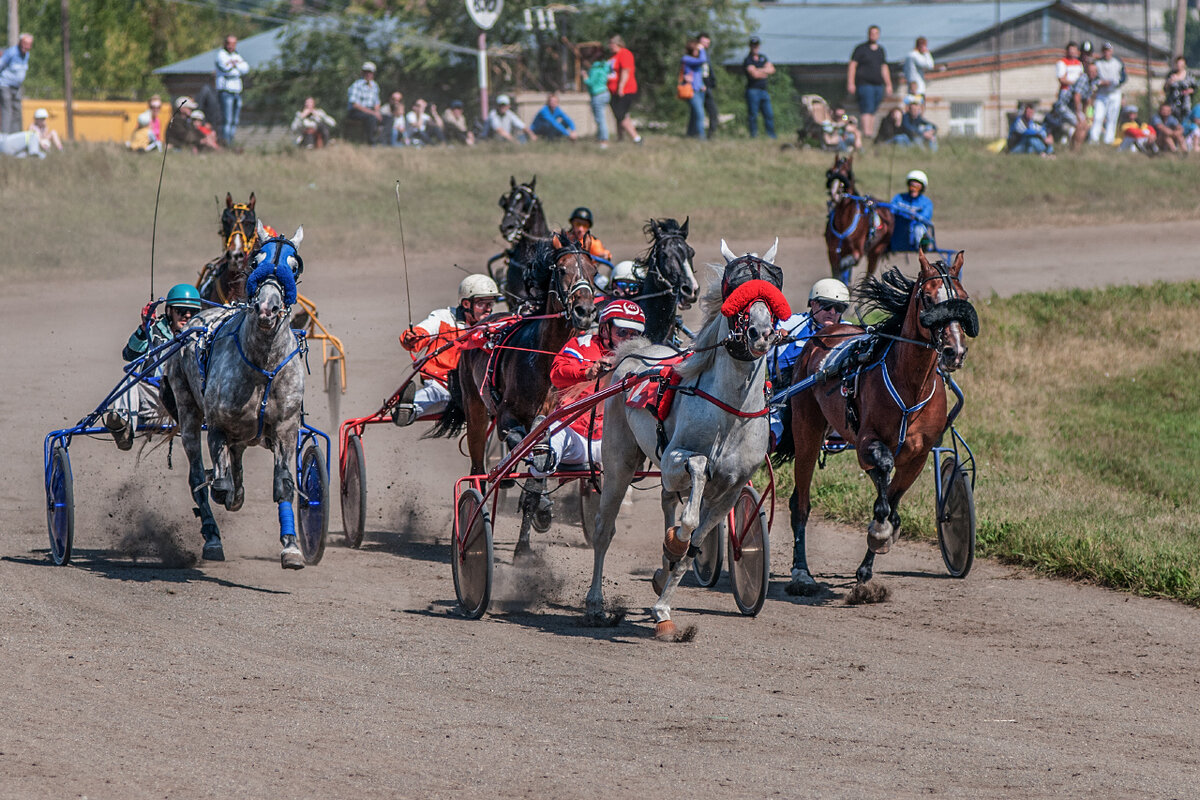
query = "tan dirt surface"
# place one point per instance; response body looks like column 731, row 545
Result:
column 138, row 672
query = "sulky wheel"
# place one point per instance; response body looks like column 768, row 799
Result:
column 60, row 506
column 471, row 557
column 956, row 519
column 707, row 566
column 354, row 491
column 314, row 505
column 749, row 556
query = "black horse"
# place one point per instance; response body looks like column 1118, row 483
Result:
column 668, row 281
column 223, row 280
column 523, row 226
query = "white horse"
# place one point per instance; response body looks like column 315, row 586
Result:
column 245, row 381
column 716, row 434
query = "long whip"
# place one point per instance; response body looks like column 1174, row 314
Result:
column 157, row 194
column 404, row 254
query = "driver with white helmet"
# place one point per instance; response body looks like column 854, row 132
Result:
column 913, row 211
column 827, row 301
column 574, row 374
column 477, row 295
column 625, row 282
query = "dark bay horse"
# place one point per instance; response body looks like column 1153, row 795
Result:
column 856, row 225
column 899, row 405
column 511, row 383
column 669, row 281
column 522, row 226
column 223, row 280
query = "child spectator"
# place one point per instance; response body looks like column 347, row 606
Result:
column 143, row 139
column 1137, row 135
column 425, row 128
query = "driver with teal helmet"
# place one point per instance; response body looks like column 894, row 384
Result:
column 142, row 398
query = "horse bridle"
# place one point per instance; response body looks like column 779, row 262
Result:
column 658, row 257
column 737, row 343
column 239, row 225
column 846, row 178
column 558, row 274
column 937, row 317
column 521, row 218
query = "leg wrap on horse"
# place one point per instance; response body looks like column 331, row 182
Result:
column 674, row 547
column 287, row 522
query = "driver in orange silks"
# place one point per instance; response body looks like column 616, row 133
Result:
column 581, row 231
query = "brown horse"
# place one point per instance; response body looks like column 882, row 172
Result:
column 223, row 280
column 511, row 383
column 856, row 226
column 898, row 408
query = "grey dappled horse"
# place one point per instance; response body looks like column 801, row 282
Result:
column 712, row 448
column 245, row 382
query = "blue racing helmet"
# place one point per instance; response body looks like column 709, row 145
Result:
column 184, row 295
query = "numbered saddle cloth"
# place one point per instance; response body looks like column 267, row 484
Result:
column 656, row 391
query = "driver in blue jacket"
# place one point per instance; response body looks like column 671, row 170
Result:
column 913, row 211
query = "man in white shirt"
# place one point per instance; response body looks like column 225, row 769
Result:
column 916, row 64
column 504, row 123
column 1106, row 102
column 230, row 69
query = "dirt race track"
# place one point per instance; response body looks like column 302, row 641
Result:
column 138, row 672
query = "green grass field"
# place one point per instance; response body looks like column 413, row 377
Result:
column 1083, row 410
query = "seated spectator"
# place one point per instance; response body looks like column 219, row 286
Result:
column 455, row 121
column 143, row 139
column 552, row 122
column 1191, row 129
column 182, row 130
column 312, row 125
column 154, row 106
column 1168, row 131
column 1028, row 136
column 915, row 129
column 395, row 122
column 48, row 137
column 208, row 102
column 20, row 145
column 425, row 128
column 504, row 123
column 1136, row 135
column 890, row 127
column 208, row 132
column 362, row 103
column 845, row 128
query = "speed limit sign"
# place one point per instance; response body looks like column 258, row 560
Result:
column 485, row 12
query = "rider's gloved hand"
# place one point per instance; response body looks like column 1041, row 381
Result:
column 410, row 339
column 148, row 313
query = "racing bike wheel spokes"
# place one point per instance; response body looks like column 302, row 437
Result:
column 956, row 519
column 471, row 556
column 60, row 506
column 707, row 566
column 354, row 492
column 749, row 555
column 314, row 505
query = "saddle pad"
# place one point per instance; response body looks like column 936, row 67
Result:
column 844, row 355
column 656, row 391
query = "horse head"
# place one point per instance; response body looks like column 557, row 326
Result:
column 276, row 251
column 571, row 290
column 839, row 179
column 519, row 205
column 238, row 225
column 669, row 261
column 752, row 302
column 944, row 310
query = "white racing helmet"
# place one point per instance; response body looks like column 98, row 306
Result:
column 919, row 176
column 831, row 290
column 474, row 286
column 624, row 271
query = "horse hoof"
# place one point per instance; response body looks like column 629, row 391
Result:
column 522, row 550
column 880, row 537
column 234, row 502
column 213, row 551
column 659, row 581
column 542, row 518
column 290, row 556
column 218, row 495
column 665, row 631
column 802, row 584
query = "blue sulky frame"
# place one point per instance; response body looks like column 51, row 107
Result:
column 312, row 479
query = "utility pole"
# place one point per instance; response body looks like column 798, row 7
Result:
column 14, row 23
column 68, row 89
column 1181, row 15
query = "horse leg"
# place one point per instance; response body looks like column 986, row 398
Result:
column 222, row 485
column 808, row 432
column 283, row 490
column 189, row 427
column 477, row 431
column 621, row 459
column 235, row 470
column 878, row 463
column 681, row 544
column 532, row 492
column 905, row 474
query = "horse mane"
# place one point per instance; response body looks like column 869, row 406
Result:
column 889, row 294
column 704, row 346
column 541, row 263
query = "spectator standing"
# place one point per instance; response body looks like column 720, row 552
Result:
column 425, row 126
column 231, row 68
column 47, row 136
column 1179, row 88
column 1168, row 130
column 868, row 78
column 1026, row 135
column 691, row 73
column 1068, row 68
column 362, row 102
column 14, row 63
column 916, row 64
column 504, row 122
column 597, row 86
column 1106, row 99
column 710, row 85
column 623, row 86
column 551, row 122
column 457, row 130
column 312, row 125
column 758, row 68
column 915, row 129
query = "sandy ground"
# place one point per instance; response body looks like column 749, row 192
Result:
column 138, row 672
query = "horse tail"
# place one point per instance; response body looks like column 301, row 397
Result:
column 167, row 395
column 454, row 417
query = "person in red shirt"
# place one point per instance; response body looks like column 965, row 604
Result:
column 581, row 361
column 581, row 231
column 623, row 87
column 477, row 295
